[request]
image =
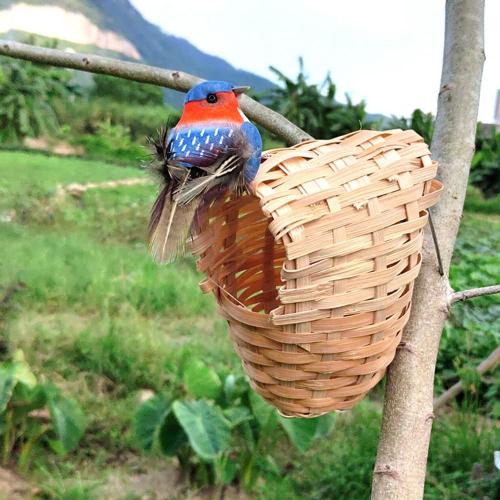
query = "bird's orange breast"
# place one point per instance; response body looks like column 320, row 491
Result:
column 226, row 109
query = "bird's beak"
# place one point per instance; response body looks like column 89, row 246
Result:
column 241, row 90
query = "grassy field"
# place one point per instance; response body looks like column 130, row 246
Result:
column 98, row 318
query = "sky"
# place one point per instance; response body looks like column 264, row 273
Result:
column 387, row 52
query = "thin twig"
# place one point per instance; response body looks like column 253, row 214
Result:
column 473, row 292
column 143, row 73
column 436, row 245
column 457, row 388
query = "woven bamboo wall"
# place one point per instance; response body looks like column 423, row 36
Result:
column 314, row 272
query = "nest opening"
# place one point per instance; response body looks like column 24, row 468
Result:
column 247, row 259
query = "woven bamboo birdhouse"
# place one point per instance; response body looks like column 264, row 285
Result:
column 314, row 272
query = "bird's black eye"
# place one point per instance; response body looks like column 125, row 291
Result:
column 211, row 98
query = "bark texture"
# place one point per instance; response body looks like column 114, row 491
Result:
column 408, row 408
column 143, row 73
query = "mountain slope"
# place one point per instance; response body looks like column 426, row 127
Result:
column 153, row 45
column 161, row 49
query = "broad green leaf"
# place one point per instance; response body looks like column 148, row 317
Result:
column 68, row 419
column 56, row 446
column 148, row 420
column 208, row 431
column 201, row 381
column 7, row 384
column 234, row 387
column 301, row 431
column 237, row 415
column 271, row 464
column 264, row 413
column 326, row 423
column 225, row 469
column 28, row 399
column 172, row 435
column 248, row 435
column 22, row 370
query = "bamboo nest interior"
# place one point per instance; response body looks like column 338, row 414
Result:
column 314, row 271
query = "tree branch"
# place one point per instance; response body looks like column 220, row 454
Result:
column 485, row 365
column 408, row 407
column 473, row 292
column 143, row 73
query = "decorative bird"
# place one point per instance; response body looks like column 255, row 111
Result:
column 213, row 149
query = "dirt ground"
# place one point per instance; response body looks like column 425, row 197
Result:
column 12, row 487
column 154, row 481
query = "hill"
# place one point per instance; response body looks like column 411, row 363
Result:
column 117, row 27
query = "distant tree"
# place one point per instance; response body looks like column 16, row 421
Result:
column 126, row 91
column 422, row 123
column 485, row 167
column 27, row 94
column 314, row 108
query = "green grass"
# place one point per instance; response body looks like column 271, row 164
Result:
column 472, row 330
column 100, row 319
column 96, row 315
column 64, row 271
column 460, row 460
column 476, row 202
column 20, row 170
column 341, row 467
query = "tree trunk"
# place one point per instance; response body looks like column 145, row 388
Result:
column 408, row 408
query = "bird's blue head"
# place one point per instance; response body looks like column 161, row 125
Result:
column 201, row 91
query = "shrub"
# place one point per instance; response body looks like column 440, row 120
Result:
column 476, row 202
column 314, row 107
column 126, row 91
column 470, row 334
column 23, row 426
column 85, row 116
column 113, row 143
column 485, row 167
column 219, row 429
column 27, row 95
column 422, row 123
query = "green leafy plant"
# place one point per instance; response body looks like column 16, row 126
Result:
column 470, row 334
column 23, row 422
column 112, row 142
column 126, row 91
column 27, row 95
column 84, row 115
column 485, row 167
column 313, row 107
column 422, row 123
column 219, row 429
column 476, row 202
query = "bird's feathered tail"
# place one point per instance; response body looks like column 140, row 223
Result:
column 184, row 190
column 169, row 226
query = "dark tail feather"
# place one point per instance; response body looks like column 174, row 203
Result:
column 169, row 227
column 157, row 209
